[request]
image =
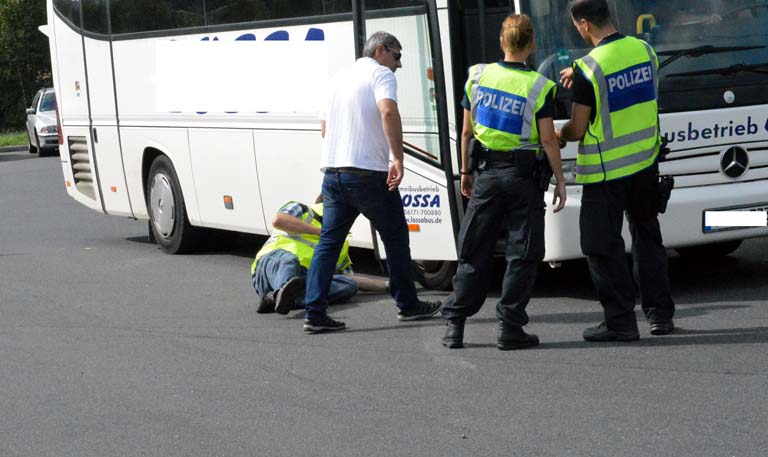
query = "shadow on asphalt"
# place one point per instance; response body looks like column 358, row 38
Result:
column 593, row 317
column 681, row 337
column 12, row 156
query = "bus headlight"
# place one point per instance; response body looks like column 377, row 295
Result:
column 49, row 129
column 569, row 171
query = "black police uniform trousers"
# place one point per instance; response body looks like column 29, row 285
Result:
column 600, row 221
column 502, row 201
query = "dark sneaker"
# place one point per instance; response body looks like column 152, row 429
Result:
column 422, row 310
column 603, row 333
column 662, row 327
column 292, row 291
column 323, row 324
column 454, row 334
column 266, row 304
column 511, row 338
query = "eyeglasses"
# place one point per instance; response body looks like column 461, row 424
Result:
column 396, row 55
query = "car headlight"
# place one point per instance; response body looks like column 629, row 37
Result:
column 569, row 171
column 49, row 129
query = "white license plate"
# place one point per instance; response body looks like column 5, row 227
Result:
column 718, row 220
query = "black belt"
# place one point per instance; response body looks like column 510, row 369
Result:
column 352, row 170
column 490, row 155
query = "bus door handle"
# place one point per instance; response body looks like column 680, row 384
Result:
column 95, row 136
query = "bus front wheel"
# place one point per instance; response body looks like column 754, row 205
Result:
column 434, row 274
column 168, row 222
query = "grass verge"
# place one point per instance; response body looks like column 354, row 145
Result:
column 13, row 139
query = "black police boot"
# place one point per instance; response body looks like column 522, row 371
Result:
column 661, row 327
column 513, row 337
column 601, row 333
column 454, row 334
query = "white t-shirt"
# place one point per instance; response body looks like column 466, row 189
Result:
column 354, row 135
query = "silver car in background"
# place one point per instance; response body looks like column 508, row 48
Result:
column 42, row 132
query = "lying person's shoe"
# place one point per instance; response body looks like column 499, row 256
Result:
column 422, row 310
column 288, row 294
column 266, row 304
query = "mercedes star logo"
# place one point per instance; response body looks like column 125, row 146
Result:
column 734, row 162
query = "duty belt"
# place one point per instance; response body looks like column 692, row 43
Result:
column 514, row 156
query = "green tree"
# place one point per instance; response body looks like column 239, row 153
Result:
column 24, row 58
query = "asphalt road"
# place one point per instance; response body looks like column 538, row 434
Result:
column 108, row 347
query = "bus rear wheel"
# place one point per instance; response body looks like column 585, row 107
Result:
column 168, row 222
column 709, row 251
column 434, row 274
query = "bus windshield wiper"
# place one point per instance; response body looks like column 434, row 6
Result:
column 699, row 51
column 761, row 68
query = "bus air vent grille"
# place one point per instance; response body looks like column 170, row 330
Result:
column 81, row 165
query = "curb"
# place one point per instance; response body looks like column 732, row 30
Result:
column 13, row 148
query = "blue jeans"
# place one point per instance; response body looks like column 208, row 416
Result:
column 276, row 268
column 345, row 196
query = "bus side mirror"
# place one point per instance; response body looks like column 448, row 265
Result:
column 30, row 111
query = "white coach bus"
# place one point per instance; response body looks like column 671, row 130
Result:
column 187, row 170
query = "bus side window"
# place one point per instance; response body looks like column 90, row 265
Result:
column 70, row 9
column 233, row 11
column 95, row 16
column 129, row 16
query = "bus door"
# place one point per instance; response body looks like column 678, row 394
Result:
column 107, row 162
column 428, row 190
column 477, row 24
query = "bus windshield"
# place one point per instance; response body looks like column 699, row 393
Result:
column 706, row 46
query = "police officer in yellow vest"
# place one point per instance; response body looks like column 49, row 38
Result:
column 280, row 268
column 615, row 119
column 508, row 108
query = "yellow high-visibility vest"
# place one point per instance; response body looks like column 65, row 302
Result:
column 623, row 139
column 504, row 104
column 302, row 246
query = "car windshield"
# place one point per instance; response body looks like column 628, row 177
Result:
column 49, row 102
column 701, row 35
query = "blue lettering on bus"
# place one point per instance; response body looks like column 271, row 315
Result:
column 421, row 200
column 712, row 131
column 630, row 87
column 500, row 110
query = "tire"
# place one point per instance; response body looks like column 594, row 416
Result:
column 709, row 251
column 434, row 274
column 41, row 151
column 168, row 220
column 31, row 149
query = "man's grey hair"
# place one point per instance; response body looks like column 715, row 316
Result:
column 380, row 39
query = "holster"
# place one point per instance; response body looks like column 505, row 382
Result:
column 663, row 150
column 542, row 172
column 666, row 183
column 474, row 154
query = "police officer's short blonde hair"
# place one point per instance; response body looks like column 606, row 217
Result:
column 516, row 32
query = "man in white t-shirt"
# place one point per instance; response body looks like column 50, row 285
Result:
column 361, row 126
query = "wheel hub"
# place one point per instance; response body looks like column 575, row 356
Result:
column 162, row 205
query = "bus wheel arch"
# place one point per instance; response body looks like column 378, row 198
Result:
column 169, row 225
column 435, row 274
